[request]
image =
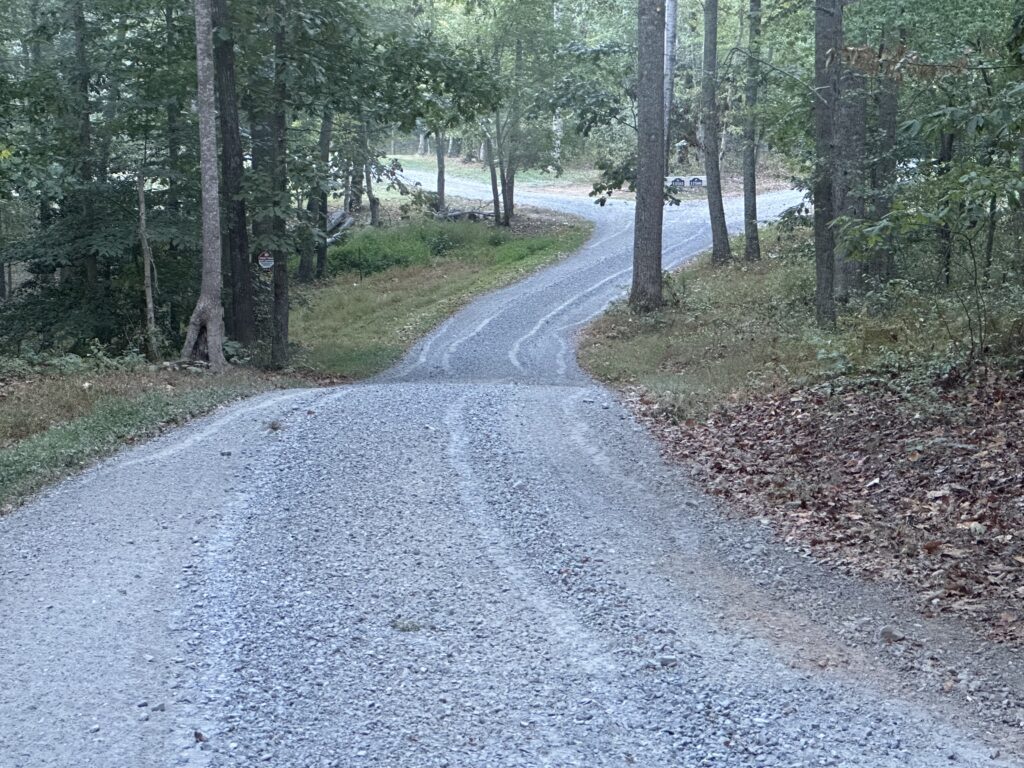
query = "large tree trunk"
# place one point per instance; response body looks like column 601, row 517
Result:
column 671, row 16
column 243, row 319
column 205, row 337
column 279, row 187
column 752, row 239
column 828, row 20
column 646, row 294
column 440, row 152
column 720, row 249
column 152, row 347
column 849, row 179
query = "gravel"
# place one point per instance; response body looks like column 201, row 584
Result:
column 477, row 559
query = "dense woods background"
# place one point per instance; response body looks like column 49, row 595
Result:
column 902, row 119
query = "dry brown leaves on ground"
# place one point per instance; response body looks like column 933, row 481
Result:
column 922, row 486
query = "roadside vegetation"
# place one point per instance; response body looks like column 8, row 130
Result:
column 387, row 288
column 890, row 447
column 392, row 286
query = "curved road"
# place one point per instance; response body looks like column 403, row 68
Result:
column 476, row 560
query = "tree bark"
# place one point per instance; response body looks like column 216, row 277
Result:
column 495, row 194
column 883, row 181
column 173, row 110
column 318, row 196
column 849, row 177
column 205, row 337
column 440, row 152
column 752, row 238
column 279, row 186
column 86, row 171
column 721, row 252
column 152, row 347
column 671, row 16
column 243, row 318
column 827, row 36
column 946, row 146
column 646, row 292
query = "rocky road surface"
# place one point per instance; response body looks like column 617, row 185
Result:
column 477, row 559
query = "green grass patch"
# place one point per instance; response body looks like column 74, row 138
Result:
column 52, row 425
column 394, row 285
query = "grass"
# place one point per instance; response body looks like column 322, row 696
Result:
column 725, row 331
column 54, row 423
column 366, row 318
column 390, row 287
column 746, row 328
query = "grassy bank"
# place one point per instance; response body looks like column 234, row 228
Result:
column 388, row 288
column 392, row 286
column 884, row 448
column 55, row 420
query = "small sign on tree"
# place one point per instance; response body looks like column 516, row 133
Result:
column 266, row 260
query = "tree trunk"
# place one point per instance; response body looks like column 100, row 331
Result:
column 82, row 77
column 439, row 151
column 279, row 186
column 152, row 347
column 849, row 178
column 495, row 194
column 243, row 319
column 720, row 249
column 205, row 337
column 752, row 239
column 374, row 200
column 310, row 254
column 883, row 181
column 827, row 36
column 646, row 294
column 324, row 149
column 671, row 15
column 946, row 145
column 173, row 110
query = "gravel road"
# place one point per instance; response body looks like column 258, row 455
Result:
column 477, row 559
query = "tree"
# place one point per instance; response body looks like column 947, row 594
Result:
column 720, row 249
column 205, row 339
column 646, row 293
column 243, row 320
column 671, row 17
column 752, row 240
column 828, row 20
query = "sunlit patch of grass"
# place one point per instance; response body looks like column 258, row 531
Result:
column 366, row 318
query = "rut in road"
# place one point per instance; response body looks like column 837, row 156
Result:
column 477, row 559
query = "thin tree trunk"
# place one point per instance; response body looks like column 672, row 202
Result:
column 946, row 145
column 324, row 148
column 279, row 186
column 721, row 252
column 374, row 200
column 752, row 239
column 205, row 337
column 646, row 292
column 173, row 111
column 243, row 318
column 671, row 15
column 827, row 36
column 495, row 193
column 82, row 76
column 152, row 347
column 883, row 183
column 439, row 151
column 849, row 178
column 3, row 267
